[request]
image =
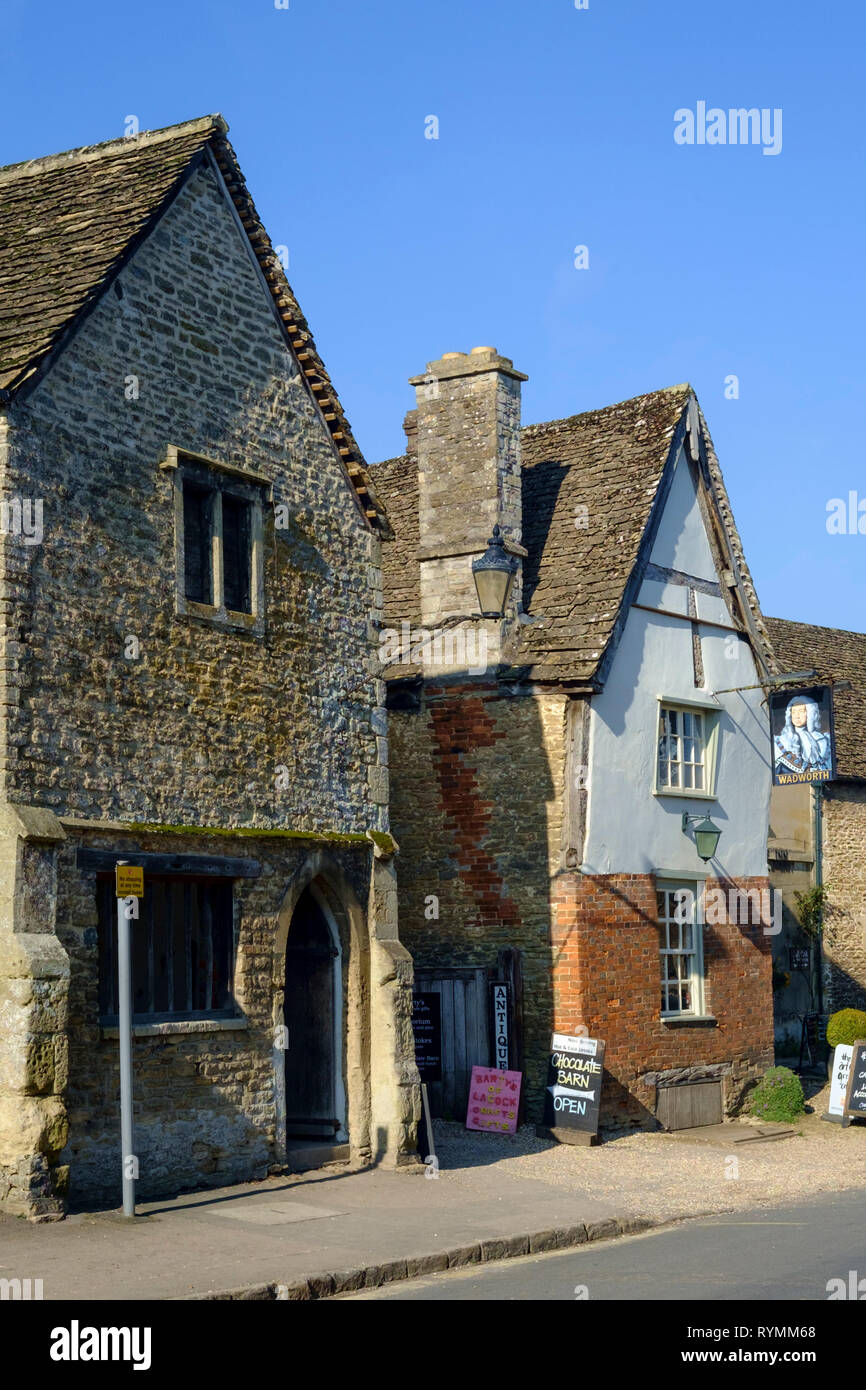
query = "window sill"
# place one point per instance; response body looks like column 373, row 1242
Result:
column 689, row 1021
column 225, row 618
column 685, row 792
column 179, row 1027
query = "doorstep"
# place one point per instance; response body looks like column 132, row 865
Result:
column 302, row 1155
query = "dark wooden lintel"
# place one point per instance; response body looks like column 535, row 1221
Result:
column 104, row 861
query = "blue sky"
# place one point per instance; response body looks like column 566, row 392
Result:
column 556, row 129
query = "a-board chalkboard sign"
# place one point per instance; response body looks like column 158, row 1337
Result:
column 573, row 1094
column 427, row 1028
column 855, row 1100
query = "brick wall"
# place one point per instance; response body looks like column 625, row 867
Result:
column 606, row 978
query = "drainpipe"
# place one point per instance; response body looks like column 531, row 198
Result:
column 818, row 833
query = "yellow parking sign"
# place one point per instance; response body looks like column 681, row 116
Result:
column 129, row 881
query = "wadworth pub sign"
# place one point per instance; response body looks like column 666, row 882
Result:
column 801, row 725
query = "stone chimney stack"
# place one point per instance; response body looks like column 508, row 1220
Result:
column 467, row 444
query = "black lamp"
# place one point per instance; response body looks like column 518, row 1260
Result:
column 494, row 574
column 707, row 835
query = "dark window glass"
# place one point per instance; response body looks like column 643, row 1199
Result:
column 236, row 554
column 182, row 947
column 197, row 512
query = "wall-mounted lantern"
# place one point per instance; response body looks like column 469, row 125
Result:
column 494, row 574
column 707, row 835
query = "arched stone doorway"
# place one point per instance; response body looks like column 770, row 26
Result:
column 315, row 1096
column 367, row 1011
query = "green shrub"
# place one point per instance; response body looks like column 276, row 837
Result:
column 777, row 1096
column 846, row 1026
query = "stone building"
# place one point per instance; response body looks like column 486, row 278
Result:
column 818, row 837
column 190, row 585
column 542, row 762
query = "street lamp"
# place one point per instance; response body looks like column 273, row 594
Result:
column 707, row 835
column 494, row 574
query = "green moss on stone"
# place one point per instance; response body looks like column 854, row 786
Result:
column 247, row 832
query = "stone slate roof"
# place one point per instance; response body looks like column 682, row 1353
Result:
column 609, row 461
column 836, row 655
column 68, row 224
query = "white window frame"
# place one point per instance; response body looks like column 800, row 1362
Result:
column 250, row 487
column 670, row 944
column 711, row 714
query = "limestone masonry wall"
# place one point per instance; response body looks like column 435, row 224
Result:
column 193, row 729
column 477, row 812
column 844, row 873
column 117, row 710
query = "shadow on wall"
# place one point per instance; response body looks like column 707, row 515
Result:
column 208, row 1105
column 472, row 788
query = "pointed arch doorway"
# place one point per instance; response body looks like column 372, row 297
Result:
column 313, row 1013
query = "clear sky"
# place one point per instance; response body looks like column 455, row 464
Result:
column 555, row 130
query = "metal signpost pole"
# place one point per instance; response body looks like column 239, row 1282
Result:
column 124, row 1021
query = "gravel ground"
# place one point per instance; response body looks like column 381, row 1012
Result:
column 663, row 1175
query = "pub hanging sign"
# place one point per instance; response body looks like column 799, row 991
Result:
column 801, row 728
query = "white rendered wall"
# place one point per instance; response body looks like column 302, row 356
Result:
column 629, row 828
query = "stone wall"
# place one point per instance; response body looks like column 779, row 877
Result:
column 605, row 938
column 119, row 710
column 844, row 873
column 193, row 729
column 477, row 812
column 204, row 1091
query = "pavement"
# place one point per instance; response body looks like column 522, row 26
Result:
column 367, row 1224
column 337, row 1230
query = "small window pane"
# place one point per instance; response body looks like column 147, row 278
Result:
column 197, row 511
column 236, row 554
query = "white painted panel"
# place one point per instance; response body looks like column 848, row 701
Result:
column 715, row 609
column 681, row 542
column 673, row 597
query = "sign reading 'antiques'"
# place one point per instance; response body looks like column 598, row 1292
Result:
column 573, row 1092
column 855, row 1099
column 494, row 1096
column 801, row 727
column 427, row 1028
column 500, row 1026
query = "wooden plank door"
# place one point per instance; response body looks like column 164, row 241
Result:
column 465, row 1035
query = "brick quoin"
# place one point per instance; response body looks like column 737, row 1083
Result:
column 607, row 977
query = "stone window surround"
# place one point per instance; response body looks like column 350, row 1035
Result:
column 251, row 487
column 712, row 712
column 179, row 1027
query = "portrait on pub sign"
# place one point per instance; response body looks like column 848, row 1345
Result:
column 801, row 725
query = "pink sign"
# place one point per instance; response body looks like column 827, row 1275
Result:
column 493, row 1098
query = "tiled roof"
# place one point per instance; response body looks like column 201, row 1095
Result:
column 609, row 462
column 836, row 655
column 69, row 222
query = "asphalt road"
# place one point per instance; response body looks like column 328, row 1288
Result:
column 772, row 1253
